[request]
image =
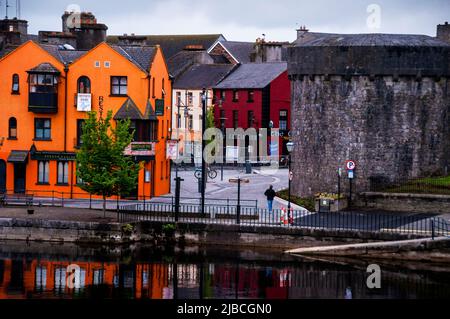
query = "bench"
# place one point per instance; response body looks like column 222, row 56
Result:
column 16, row 199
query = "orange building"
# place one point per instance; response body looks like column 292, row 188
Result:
column 45, row 94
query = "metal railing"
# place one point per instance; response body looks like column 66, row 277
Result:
column 416, row 225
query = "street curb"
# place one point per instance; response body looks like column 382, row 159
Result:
column 293, row 206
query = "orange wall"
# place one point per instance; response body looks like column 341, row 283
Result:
column 29, row 56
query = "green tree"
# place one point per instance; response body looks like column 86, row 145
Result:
column 101, row 163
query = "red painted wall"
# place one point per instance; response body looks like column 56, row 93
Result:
column 280, row 99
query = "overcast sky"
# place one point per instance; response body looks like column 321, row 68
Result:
column 243, row 20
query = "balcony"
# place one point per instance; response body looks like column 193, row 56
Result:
column 46, row 103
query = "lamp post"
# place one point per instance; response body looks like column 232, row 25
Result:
column 204, row 101
column 290, row 148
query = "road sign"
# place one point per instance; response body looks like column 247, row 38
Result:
column 351, row 174
column 351, row 165
column 291, row 175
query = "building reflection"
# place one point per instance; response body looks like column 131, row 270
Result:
column 24, row 278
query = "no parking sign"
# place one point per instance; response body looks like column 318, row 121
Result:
column 350, row 165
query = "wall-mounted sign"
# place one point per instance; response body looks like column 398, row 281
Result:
column 172, row 149
column 141, row 149
column 159, row 107
column 84, row 102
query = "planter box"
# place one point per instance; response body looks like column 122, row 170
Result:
column 330, row 205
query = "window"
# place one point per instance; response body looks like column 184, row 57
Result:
column 119, row 85
column 222, row 120
column 235, row 119
column 251, row 96
column 43, row 83
column 63, row 173
column 43, row 168
column 250, row 119
column 79, row 180
column 222, row 95
column 283, row 120
column 84, row 85
column 178, row 98
column 97, row 64
column 42, row 129
column 153, row 88
column 15, row 84
column 12, row 128
column 80, row 124
column 235, row 95
column 190, row 98
column 107, row 64
column 191, row 122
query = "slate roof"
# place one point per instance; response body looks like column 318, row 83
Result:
column 203, row 76
column 44, row 68
column 129, row 110
column 371, row 39
column 64, row 56
column 172, row 44
column 240, row 50
column 141, row 56
column 17, row 156
column 253, row 76
column 181, row 61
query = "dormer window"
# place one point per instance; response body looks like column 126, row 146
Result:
column 43, row 83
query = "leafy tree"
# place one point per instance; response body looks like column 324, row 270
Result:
column 101, row 163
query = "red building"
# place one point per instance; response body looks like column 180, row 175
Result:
column 256, row 95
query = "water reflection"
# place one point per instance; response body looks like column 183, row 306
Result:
column 23, row 277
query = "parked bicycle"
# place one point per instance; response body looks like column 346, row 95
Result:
column 212, row 173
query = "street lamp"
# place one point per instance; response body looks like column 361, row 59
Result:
column 203, row 181
column 290, row 148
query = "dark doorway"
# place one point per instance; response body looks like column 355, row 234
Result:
column 2, row 176
column 19, row 178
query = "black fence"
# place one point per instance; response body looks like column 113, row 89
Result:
column 420, row 225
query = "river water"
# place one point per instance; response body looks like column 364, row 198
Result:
column 39, row 270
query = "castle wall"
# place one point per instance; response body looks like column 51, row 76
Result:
column 392, row 126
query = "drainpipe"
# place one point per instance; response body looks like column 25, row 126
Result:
column 66, row 70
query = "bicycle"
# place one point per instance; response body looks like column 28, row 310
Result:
column 212, row 173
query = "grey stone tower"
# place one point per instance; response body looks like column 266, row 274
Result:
column 381, row 100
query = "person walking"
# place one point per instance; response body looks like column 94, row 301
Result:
column 270, row 194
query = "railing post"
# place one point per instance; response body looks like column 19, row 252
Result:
column 432, row 229
column 238, row 213
column 53, row 198
column 62, row 199
column 90, row 201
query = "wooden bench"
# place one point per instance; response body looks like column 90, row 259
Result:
column 16, row 199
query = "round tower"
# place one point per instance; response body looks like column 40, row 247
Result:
column 378, row 99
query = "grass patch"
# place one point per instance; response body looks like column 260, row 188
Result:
column 306, row 202
column 429, row 185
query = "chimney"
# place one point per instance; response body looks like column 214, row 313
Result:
column 301, row 32
column 443, row 32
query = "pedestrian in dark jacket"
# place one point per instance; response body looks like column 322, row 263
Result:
column 270, row 194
